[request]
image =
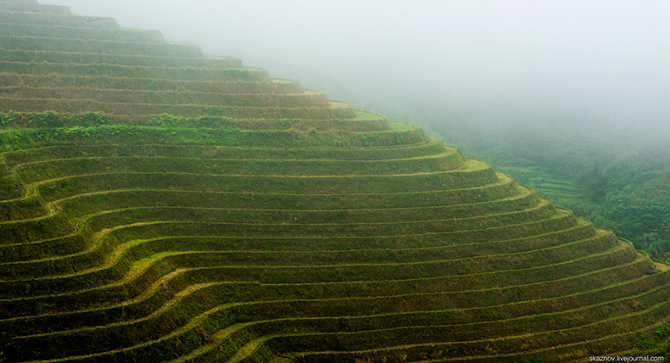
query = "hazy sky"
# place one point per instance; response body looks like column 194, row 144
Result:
column 608, row 59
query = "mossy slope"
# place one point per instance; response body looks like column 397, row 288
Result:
column 183, row 208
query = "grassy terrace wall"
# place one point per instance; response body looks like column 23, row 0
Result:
column 186, row 209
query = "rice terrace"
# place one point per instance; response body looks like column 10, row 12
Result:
column 162, row 205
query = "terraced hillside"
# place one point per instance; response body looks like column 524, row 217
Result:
column 183, row 208
column 544, row 183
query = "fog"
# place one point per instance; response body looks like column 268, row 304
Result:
column 590, row 66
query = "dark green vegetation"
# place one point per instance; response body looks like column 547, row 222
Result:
column 616, row 181
column 179, row 208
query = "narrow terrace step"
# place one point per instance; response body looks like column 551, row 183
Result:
column 330, row 208
column 29, row 56
column 70, row 32
column 161, row 73
column 11, row 17
column 336, row 186
column 20, row 6
column 38, row 229
column 100, row 46
column 21, row 209
column 362, row 122
column 138, row 183
column 150, row 84
column 53, row 169
column 57, row 152
column 304, row 99
column 35, row 2
column 199, row 130
column 67, row 106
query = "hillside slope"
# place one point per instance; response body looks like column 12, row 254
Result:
column 159, row 205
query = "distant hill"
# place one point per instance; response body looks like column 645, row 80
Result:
column 160, row 205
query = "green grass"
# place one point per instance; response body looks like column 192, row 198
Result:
column 558, row 189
